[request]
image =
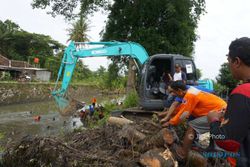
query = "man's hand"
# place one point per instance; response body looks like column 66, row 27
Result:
column 162, row 114
column 165, row 119
column 165, row 124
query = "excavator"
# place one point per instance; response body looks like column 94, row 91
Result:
column 151, row 88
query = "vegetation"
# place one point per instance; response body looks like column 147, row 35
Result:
column 131, row 100
column 161, row 26
column 78, row 32
column 5, row 76
column 18, row 44
column 68, row 9
column 225, row 79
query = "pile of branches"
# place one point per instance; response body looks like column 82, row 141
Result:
column 120, row 143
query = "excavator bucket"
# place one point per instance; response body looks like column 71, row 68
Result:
column 62, row 102
column 67, row 106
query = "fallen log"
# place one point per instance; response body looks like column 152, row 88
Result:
column 119, row 121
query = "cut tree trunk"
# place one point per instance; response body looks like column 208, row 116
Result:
column 119, row 121
column 156, row 158
column 163, row 138
column 131, row 76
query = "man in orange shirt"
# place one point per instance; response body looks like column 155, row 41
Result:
column 195, row 106
column 93, row 101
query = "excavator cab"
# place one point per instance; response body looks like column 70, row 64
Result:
column 152, row 89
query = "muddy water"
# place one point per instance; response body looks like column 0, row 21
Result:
column 17, row 121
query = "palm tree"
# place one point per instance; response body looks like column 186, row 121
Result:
column 79, row 30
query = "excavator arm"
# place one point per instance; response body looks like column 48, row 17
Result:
column 77, row 50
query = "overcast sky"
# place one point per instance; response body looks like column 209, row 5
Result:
column 224, row 21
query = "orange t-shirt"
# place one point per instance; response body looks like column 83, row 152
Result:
column 198, row 103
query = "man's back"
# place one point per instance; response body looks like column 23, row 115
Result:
column 200, row 103
column 238, row 116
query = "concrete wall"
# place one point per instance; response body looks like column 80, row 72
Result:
column 43, row 75
column 26, row 92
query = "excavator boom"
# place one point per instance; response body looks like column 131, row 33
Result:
column 77, row 50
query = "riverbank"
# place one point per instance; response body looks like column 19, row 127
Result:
column 26, row 92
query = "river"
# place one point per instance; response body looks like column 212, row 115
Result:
column 18, row 120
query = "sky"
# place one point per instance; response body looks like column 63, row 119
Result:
column 224, row 21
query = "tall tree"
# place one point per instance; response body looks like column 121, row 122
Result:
column 101, row 70
column 18, row 44
column 161, row 26
column 225, row 78
column 7, row 30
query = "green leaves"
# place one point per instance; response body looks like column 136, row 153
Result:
column 225, row 78
column 18, row 44
column 70, row 8
column 161, row 26
column 79, row 30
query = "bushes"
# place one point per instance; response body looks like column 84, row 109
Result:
column 131, row 99
column 5, row 76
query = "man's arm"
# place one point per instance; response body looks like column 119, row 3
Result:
column 170, row 111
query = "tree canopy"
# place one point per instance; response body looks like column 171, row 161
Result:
column 225, row 78
column 78, row 32
column 18, row 44
column 161, row 26
column 68, row 8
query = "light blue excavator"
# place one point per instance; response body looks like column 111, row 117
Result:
column 150, row 69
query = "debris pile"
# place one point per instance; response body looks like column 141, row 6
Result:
column 136, row 143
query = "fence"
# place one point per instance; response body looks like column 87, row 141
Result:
column 13, row 63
